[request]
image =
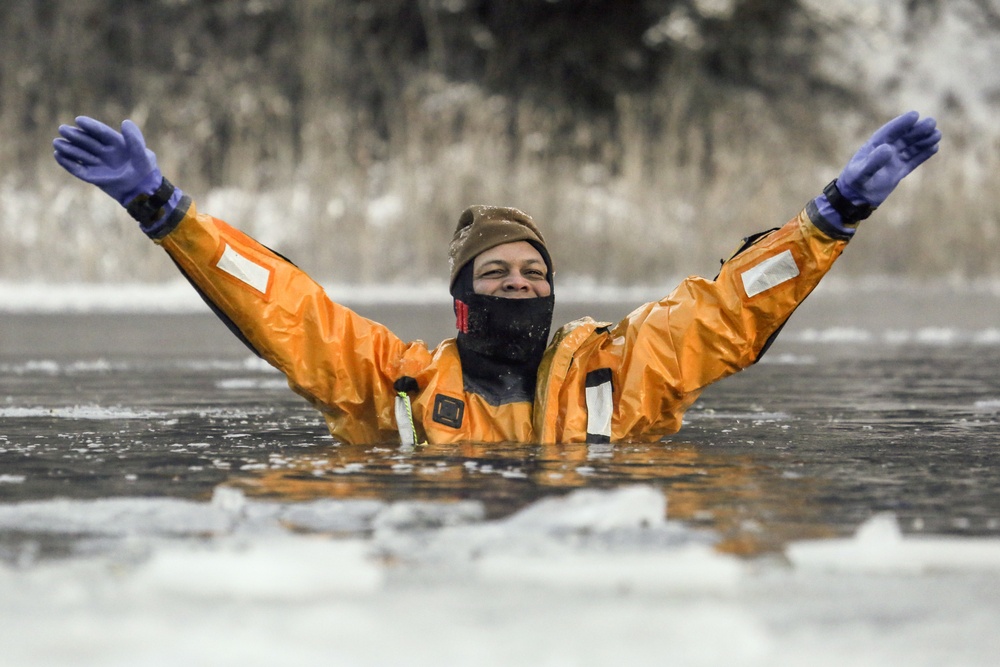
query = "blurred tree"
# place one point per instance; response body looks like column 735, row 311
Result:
column 585, row 52
column 67, row 56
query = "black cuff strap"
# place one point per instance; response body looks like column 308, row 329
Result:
column 849, row 211
column 147, row 209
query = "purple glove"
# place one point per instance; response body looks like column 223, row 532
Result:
column 122, row 166
column 896, row 149
column 119, row 164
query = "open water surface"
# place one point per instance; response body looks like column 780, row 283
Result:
column 125, row 435
column 811, row 441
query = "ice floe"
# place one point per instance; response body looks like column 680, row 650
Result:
column 591, row 578
column 281, row 568
column 880, row 546
column 93, row 412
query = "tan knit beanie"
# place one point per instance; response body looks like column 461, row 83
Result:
column 483, row 227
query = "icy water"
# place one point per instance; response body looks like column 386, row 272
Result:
column 164, row 498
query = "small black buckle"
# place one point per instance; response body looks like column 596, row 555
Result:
column 147, row 209
column 448, row 411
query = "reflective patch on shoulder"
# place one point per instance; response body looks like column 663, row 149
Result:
column 241, row 268
column 771, row 272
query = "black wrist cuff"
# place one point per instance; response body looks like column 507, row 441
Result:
column 849, row 211
column 147, row 209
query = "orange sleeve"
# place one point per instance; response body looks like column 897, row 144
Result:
column 706, row 330
column 339, row 361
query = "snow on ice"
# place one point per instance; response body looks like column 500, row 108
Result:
column 592, row 578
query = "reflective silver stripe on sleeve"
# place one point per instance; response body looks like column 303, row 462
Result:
column 600, row 406
column 404, row 420
column 770, row 273
column 243, row 269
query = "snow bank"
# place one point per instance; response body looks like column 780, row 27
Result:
column 177, row 296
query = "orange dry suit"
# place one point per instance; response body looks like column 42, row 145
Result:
column 597, row 382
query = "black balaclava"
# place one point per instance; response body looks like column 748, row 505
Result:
column 501, row 340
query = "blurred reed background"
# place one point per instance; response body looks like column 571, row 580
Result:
column 646, row 137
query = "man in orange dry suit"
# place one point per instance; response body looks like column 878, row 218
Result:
column 500, row 379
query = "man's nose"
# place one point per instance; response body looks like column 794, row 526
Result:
column 516, row 283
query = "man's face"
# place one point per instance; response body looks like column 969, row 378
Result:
column 513, row 270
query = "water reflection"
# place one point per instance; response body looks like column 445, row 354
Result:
column 752, row 507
